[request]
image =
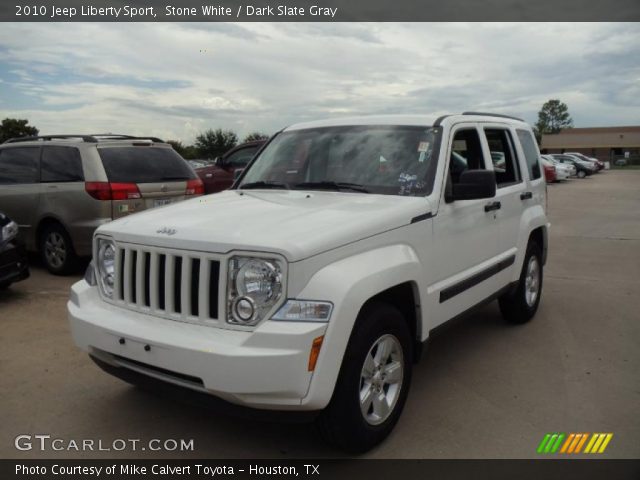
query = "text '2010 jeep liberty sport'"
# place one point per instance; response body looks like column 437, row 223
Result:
column 312, row 283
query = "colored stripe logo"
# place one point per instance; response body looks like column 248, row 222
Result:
column 571, row 443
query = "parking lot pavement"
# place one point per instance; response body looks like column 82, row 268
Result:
column 483, row 390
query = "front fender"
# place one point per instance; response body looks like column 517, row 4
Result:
column 348, row 284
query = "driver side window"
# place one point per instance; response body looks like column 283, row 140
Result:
column 466, row 154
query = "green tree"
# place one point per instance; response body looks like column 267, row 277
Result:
column 213, row 143
column 13, row 127
column 253, row 136
column 190, row 152
column 553, row 117
column 177, row 146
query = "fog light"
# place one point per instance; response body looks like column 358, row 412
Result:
column 244, row 309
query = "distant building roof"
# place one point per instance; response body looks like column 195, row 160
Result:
column 598, row 137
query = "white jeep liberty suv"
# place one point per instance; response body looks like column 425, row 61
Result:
column 312, row 283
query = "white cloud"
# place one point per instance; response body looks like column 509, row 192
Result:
column 173, row 80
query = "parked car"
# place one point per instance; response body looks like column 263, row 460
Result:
column 569, row 168
column 224, row 171
column 583, row 169
column 599, row 165
column 549, row 171
column 621, row 162
column 60, row 188
column 312, row 284
column 13, row 258
column 198, row 163
column 562, row 170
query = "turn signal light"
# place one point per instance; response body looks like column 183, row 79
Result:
column 315, row 352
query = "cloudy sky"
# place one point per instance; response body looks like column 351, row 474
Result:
column 175, row 80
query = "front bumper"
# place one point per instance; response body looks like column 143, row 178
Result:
column 13, row 263
column 264, row 368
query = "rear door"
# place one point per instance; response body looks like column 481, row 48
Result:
column 499, row 144
column 158, row 173
column 20, row 187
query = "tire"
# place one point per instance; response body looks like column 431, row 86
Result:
column 56, row 250
column 348, row 423
column 5, row 285
column 520, row 306
column 581, row 174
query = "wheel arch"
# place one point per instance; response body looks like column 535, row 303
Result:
column 44, row 222
column 391, row 274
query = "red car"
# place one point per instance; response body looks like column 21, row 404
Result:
column 549, row 171
column 221, row 175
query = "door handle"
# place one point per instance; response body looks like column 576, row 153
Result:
column 526, row 196
column 492, row 206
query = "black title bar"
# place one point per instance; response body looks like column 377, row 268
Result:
column 318, row 10
column 317, row 469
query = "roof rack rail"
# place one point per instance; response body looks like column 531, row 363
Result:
column 118, row 136
column 84, row 138
column 486, row 114
column 439, row 120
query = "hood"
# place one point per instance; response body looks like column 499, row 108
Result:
column 295, row 224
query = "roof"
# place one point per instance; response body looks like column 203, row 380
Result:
column 418, row 120
column 412, row 120
column 93, row 138
column 598, row 137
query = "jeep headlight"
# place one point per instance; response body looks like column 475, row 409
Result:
column 105, row 263
column 254, row 287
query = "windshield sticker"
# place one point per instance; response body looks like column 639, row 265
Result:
column 407, row 183
column 423, row 146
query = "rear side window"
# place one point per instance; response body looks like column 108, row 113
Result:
column 144, row 164
column 61, row 164
column 530, row 153
column 503, row 156
column 19, row 165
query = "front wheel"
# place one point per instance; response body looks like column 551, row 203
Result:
column 373, row 383
column 520, row 306
column 581, row 174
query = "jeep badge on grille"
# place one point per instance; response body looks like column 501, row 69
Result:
column 166, row 230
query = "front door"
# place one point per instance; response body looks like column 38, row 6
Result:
column 466, row 235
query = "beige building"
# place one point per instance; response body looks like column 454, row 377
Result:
column 603, row 143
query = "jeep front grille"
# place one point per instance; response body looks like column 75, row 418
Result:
column 169, row 283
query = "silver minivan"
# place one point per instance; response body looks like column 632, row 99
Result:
column 60, row 188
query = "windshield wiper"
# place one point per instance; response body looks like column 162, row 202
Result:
column 264, row 184
column 328, row 185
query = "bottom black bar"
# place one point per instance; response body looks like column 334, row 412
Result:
column 547, row 469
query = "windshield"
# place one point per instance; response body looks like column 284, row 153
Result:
column 389, row 160
column 144, row 164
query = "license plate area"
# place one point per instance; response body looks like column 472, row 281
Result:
column 159, row 202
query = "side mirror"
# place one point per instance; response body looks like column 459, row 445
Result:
column 219, row 162
column 474, row 184
column 236, row 173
